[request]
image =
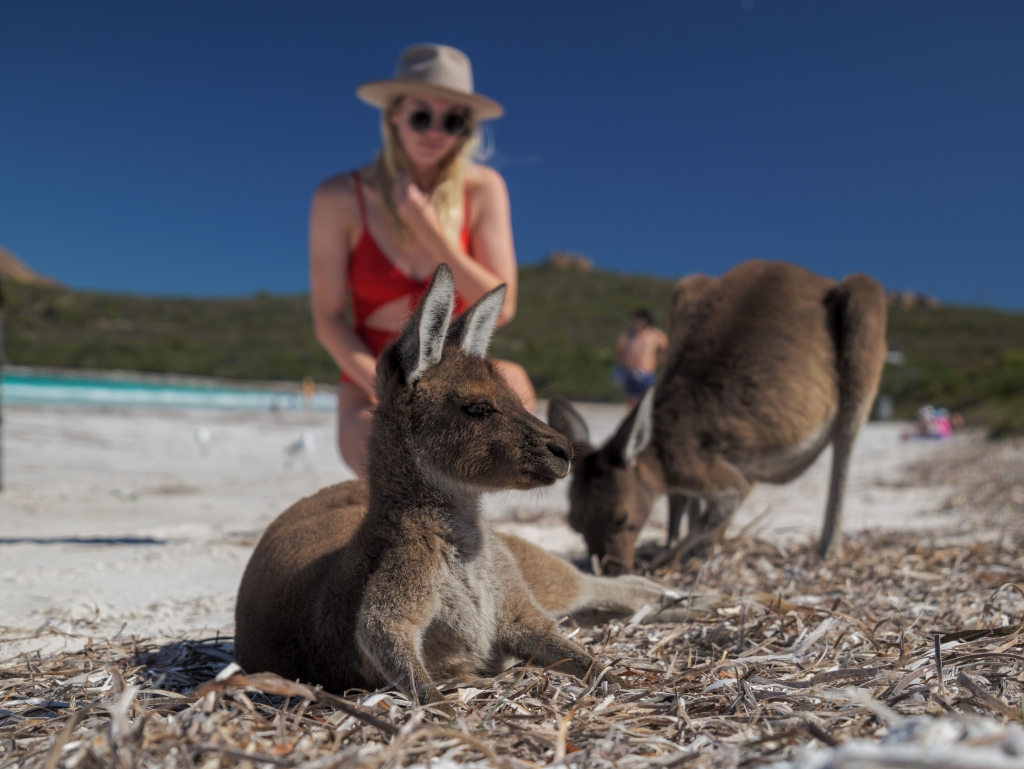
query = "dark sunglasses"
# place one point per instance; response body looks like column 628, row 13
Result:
column 453, row 122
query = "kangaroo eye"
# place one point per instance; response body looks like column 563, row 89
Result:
column 478, row 409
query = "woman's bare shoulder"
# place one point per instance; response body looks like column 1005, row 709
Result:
column 488, row 181
column 338, row 193
column 486, row 189
column 341, row 184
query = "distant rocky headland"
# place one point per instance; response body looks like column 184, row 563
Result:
column 13, row 268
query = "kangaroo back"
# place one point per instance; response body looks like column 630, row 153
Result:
column 304, row 549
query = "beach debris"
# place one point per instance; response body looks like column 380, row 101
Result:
column 907, row 652
column 885, row 408
column 308, row 391
column 911, row 647
column 301, row 448
column 203, row 437
column 920, row 742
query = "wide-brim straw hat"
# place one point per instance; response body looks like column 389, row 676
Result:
column 434, row 70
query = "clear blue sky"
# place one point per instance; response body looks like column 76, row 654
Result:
column 173, row 147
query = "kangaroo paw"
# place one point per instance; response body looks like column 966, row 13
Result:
column 432, row 696
column 615, row 680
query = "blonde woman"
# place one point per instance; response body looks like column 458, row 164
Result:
column 377, row 234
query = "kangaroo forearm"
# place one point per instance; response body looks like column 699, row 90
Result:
column 394, row 655
column 563, row 655
column 538, row 641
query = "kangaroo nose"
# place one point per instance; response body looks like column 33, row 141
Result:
column 561, row 451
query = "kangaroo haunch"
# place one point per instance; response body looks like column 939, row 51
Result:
column 400, row 579
column 765, row 367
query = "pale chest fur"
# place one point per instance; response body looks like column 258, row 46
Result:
column 460, row 638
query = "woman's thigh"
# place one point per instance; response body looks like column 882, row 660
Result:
column 518, row 380
column 354, row 414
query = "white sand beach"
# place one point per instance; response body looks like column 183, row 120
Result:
column 120, row 520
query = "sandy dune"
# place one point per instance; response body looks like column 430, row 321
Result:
column 114, row 519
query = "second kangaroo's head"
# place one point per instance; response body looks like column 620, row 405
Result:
column 610, row 498
column 442, row 402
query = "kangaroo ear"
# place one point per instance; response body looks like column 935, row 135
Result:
column 634, row 434
column 422, row 340
column 472, row 330
column 564, row 418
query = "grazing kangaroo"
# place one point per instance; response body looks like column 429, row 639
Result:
column 766, row 366
column 400, row 580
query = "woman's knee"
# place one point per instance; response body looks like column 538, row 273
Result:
column 353, row 431
column 354, row 415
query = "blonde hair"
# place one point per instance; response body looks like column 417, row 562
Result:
column 448, row 196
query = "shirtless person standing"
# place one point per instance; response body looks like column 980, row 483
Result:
column 638, row 354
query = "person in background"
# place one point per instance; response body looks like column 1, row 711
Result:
column 934, row 423
column 638, row 354
column 376, row 234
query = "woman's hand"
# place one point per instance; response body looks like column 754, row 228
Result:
column 490, row 240
column 363, row 371
column 414, row 207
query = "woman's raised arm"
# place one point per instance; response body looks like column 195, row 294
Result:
column 491, row 237
column 494, row 257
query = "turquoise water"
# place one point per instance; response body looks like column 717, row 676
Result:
column 31, row 389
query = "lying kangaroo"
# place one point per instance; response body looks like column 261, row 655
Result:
column 400, row 579
column 765, row 367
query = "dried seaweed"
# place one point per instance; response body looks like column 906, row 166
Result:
column 802, row 654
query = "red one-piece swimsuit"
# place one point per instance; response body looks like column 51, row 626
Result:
column 374, row 281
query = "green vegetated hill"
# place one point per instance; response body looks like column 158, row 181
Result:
column 259, row 337
column 968, row 359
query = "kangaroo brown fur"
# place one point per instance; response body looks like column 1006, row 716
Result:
column 400, row 579
column 765, row 366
